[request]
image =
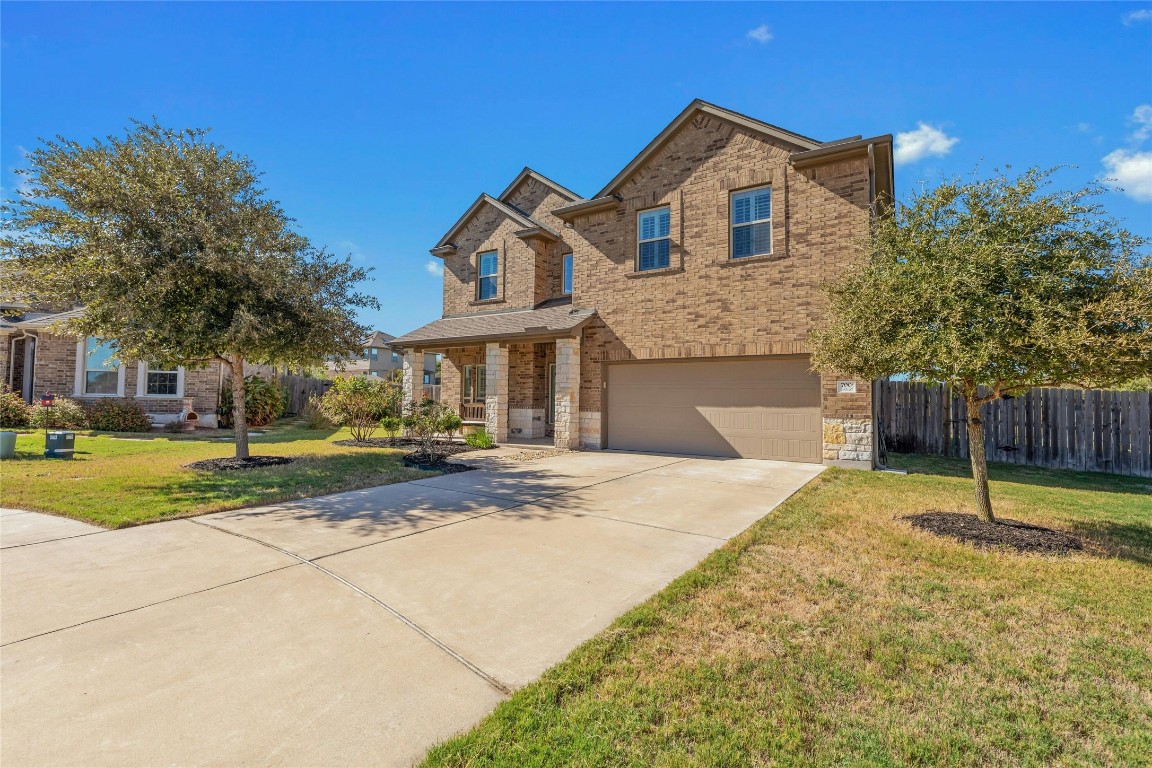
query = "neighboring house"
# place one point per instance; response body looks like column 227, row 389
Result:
column 668, row 312
column 35, row 361
column 379, row 359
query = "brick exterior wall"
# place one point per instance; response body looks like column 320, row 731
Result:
column 55, row 371
column 705, row 305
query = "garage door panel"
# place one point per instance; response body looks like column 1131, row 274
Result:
column 750, row 408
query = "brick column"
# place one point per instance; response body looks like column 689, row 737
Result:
column 567, row 427
column 413, row 380
column 496, row 391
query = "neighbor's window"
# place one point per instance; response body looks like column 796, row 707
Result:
column 489, row 267
column 373, row 353
column 654, row 243
column 101, row 368
column 427, row 378
column 474, row 383
column 160, row 380
column 752, row 222
column 374, row 373
column 395, row 357
column 567, row 285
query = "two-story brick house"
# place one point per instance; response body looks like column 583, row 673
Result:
column 668, row 312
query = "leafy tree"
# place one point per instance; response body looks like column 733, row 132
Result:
column 177, row 254
column 360, row 402
column 994, row 286
column 425, row 421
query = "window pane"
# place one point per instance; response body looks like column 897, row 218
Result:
column 467, row 383
column 489, row 263
column 741, row 209
column 753, row 205
column 567, row 273
column 99, row 355
column 488, row 287
column 481, row 384
column 655, row 223
column 654, row 254
column 161, row 383
column 100, row 382
column 752, row 240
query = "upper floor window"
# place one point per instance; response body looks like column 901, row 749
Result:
column 654, row 241
column 489, row 268
column 395, row 357
column 751, row 222
column 101, row 368
column 566, row 287
column 373, row 353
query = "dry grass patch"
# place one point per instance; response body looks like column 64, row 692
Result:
column 832, row 633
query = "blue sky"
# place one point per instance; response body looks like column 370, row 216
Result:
column 377, row 124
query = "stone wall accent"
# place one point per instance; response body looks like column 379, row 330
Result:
column 590, row 430
column 412, row 378
column 496, row 391
column 526, row 422
column 567, row 426
column 848, row 440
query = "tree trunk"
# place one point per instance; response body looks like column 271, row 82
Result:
column 239, row 415
column 979, row 461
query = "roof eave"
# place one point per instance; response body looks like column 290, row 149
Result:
column 832, row 151
column 570, row 212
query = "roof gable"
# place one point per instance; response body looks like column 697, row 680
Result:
column 515, row 214
column 529, row 173
column 693, row 109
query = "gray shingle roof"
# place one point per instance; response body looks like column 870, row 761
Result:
column 496, row 325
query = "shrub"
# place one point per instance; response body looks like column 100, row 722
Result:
column 479, row 439
column 427, row 419
column 65, row 414
column 116, row 415
column 264, row 402
column 392, row 425
column 360, row 402
column 313, row 413
column 14, row 412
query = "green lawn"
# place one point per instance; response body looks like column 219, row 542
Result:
column 118, row 482
column 833, row 634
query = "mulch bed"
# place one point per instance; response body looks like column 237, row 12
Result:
column 448, row 449
column 232, row 463
column 433, row 464
column 1019, row 536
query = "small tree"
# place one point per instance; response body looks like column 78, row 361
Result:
column 992, row 287
column 177, row 255
column 425, row 421
column 360, row 403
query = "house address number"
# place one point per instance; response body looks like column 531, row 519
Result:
column 845, row 387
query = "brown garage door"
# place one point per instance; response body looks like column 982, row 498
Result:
column 765, row 408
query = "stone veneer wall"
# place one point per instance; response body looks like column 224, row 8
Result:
column 567, row 427
column 496, row 391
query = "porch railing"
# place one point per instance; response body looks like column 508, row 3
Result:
column 472, row 411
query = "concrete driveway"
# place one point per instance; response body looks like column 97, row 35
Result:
column 353, row 629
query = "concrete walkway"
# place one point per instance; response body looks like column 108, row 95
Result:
column 353, row 629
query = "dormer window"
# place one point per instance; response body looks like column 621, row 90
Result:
column 489, row 270
column 654, row 243
column 751, row 222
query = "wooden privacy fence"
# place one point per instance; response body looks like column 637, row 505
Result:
column 1095, row 430
column 300, row 388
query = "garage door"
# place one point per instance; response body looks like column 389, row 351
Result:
column 767, row 408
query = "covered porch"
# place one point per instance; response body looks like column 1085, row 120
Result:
column 522, row 385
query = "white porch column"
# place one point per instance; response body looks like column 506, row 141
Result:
column 496, row 391
column 567, row 427
column 413, row 380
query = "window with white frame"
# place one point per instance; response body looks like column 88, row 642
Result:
column 101, row 368
column 489, row 271
column 751, row 222
column 566, row 287
column 654, row 242
column 160, row 380
column 474, row 384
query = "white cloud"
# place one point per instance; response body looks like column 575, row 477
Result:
column 434, row 267
column 1142, row 119
column 1135, row 17
column 1132, row 171
column 761, row 34
column 925, row 141
column 1084, row 127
